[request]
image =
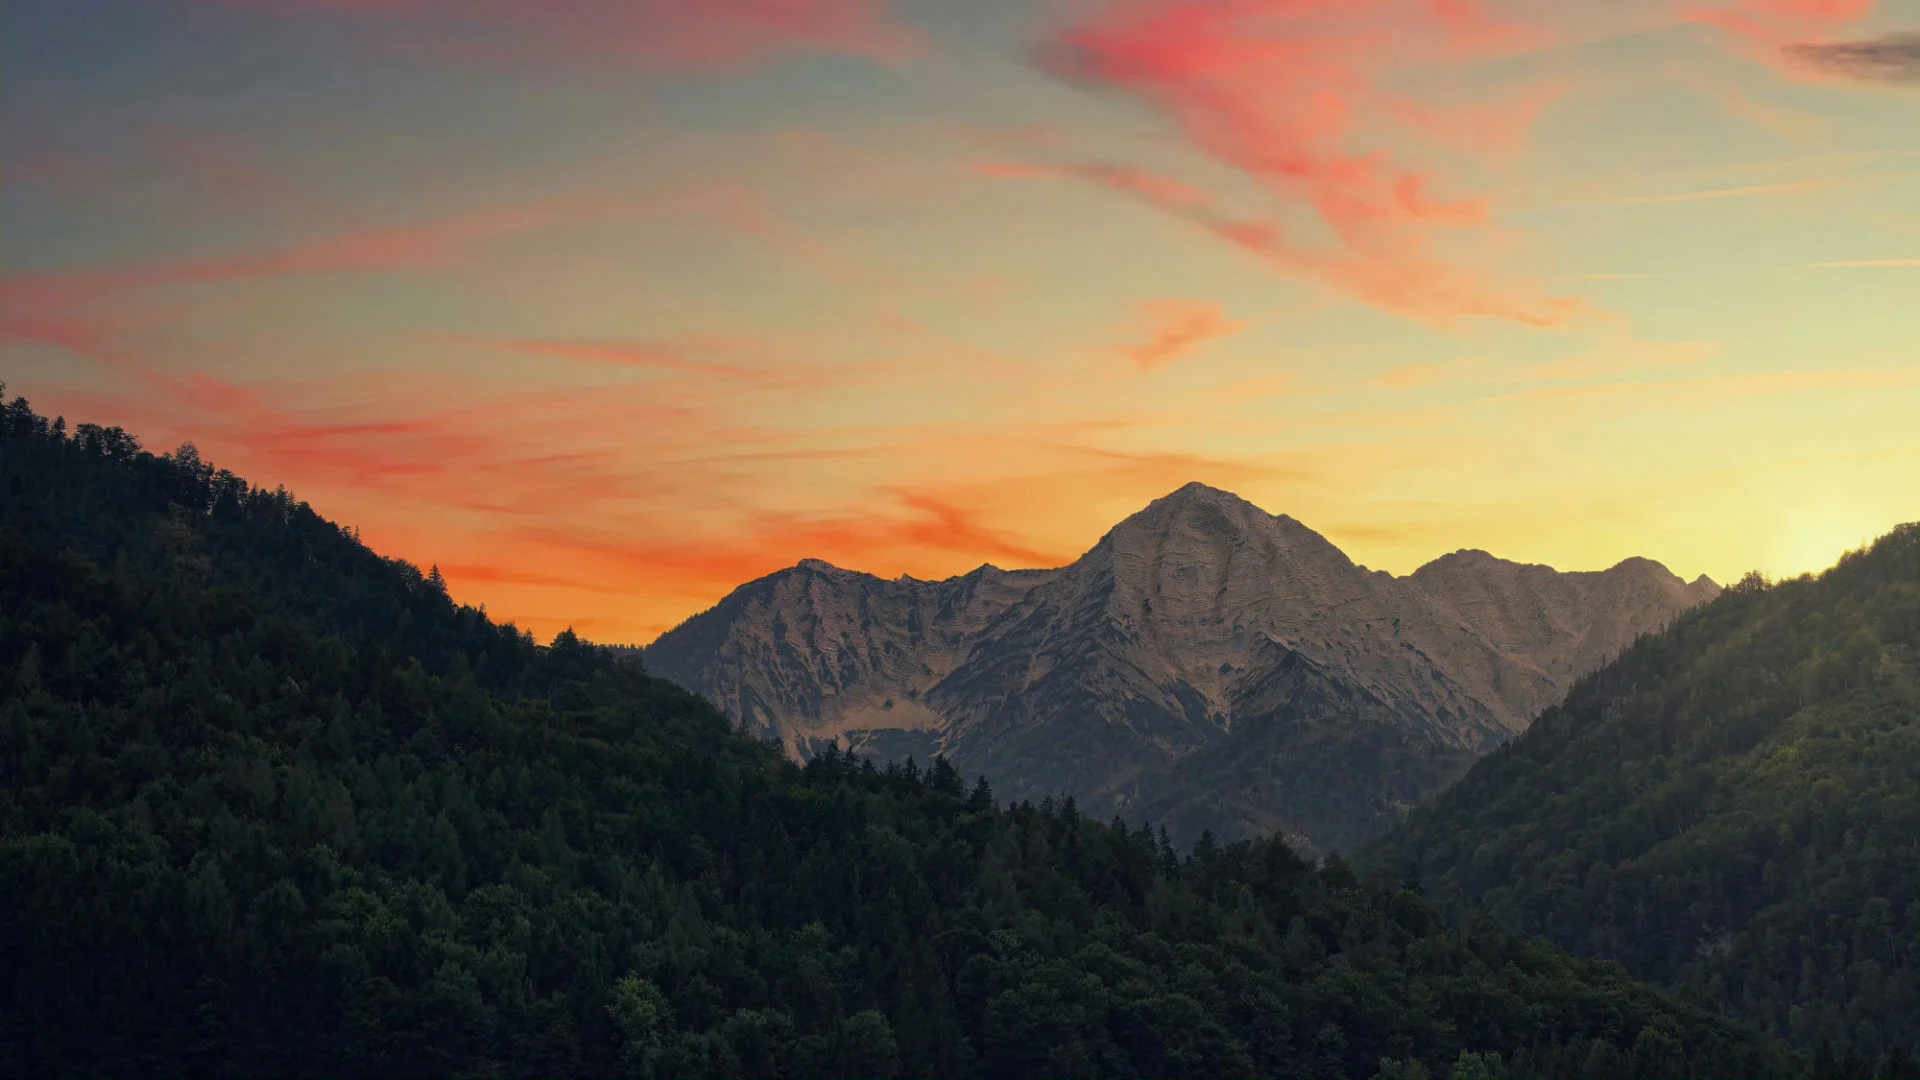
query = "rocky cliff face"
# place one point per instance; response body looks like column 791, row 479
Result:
column 816, row 653
column 1205, row 665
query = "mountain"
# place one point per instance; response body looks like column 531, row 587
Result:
column 873, row 648
column 1731, row 808
column 290, row 811
column 1207, row 665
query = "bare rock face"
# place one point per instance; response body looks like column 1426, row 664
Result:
column 1206, row 665
column 816, row 654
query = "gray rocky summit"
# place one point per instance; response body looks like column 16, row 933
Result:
column 1206, row 665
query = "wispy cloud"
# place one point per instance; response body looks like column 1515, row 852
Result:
column 741, row 361
column 1892, row 59
column 1732, row 192
column 1293, row 95
column 673, row 356
column 1176, row 329
column 364, row 251
column 1617, row 360
column 1405, row 280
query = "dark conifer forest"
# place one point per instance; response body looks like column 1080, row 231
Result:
column 276, row 805
column 1731, row 810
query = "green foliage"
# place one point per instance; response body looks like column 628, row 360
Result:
column 276, row 806
column 1732, row 809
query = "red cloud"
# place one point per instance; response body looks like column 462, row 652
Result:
column 674, row 34
column 1288, row 92
column 1405, row 279
column 1176, row 329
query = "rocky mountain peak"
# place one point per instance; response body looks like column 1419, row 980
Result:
column 1206, row 663
column 1198, row 506
column 1201, row 524
column 1464, row 558
column 1636, row 564
column 1196, row 493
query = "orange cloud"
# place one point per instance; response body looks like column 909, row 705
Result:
column 948, row 527
column 1288, row 92
column 1177, row 329
column 923, row 531
column 460, row 574
column 625, row 509
column 879, row 541
column 494, row 456
column 489, row 483
column 1142, row 476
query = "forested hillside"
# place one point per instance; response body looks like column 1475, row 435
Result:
column 275, row 805
column 1733, row 808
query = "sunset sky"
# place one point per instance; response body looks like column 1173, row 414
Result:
column 607, row 306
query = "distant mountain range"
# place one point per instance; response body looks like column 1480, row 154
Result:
column 1207, row 665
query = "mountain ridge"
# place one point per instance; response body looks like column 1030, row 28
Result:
column 1198, row 615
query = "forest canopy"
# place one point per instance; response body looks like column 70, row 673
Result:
column 1731, row 810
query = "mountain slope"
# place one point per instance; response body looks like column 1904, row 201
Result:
column 241, row 835
column 1732, row 807
column 843, row 648
column 1206, row 664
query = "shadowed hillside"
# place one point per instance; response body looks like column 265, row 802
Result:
column 1733, row 808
